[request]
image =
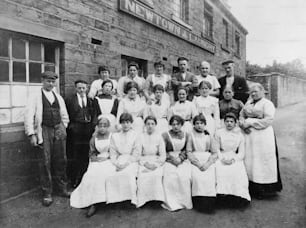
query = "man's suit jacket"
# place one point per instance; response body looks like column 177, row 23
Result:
column 175, row 84
column 240, row 88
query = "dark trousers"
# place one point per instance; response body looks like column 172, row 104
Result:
column 52, row 156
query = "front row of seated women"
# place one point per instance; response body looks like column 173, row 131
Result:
column 179, row 169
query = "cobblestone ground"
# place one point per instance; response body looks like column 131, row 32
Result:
column 288, row 210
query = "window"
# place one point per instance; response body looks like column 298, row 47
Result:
column 225, row 31
column 181, row 10
column 208, row 21
column 237, row 44
column 22, row 59
column 143, row 65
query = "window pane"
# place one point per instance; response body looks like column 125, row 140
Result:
column 4, row 39
column 49, row 53
column 35, row 51
column 5, row 116
column 35, row 72
column 18, row 48
column 5, row 96
column 4, row 71
column 34, row 90
column 50, row 68
column 19, row 72
column 19, row 95
column 17, row 115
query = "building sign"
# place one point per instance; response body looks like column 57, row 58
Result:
column 142, row 12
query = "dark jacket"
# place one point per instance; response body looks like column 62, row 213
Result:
column 175, row 84
column 240, row 88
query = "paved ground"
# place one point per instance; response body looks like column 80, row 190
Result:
column 288, row 210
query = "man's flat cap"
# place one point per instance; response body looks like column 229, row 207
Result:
column 227, row 62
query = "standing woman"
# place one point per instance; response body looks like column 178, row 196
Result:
column 107, row 104
column 184, row 108
column 92, row 187
column 159, row 108
column 152, row 159
column 134, row 105
column 232, row 179
column 158, row 78
column 208, row 106
column 177, row 170
column 261, row 150
column 124, row 154
column 202, row 157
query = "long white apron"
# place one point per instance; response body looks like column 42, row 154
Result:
column 203, row 182
column 92, row 187
column 121, row 185
column 260, row 158
column 177, row 180
column 150, row 183
column 106, row 106
column 232, row 179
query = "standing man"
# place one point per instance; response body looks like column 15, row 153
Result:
column 45, row 123
column 80, row 129
column 96, row 88
column 184, row 79
column 205, row 76
column 239, row 84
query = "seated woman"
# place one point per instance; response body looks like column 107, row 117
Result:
column 92, row 187
column 152, row 159
column 261, row 157
column 124, row 154
column 134, row 105
column 184, row 108
column 232, row 179
column 202, row 158
column 159, row 109
column 177, row 170
column 208, row 106
column 106, row 103
column 229, row 104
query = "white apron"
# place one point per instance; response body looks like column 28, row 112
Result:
column 149, row 183
column 260, row 158
column 121, row 185
column 232, row 179
column 92, row 187
column 177, row 180
column 106, row 106
column 203, row 182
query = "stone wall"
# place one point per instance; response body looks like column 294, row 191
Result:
column 282, row 89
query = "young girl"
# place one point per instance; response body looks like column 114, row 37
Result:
column 202, row 157
column 208, row 106
column 124, row 154
column 232, row 179
column 184, row 108
column 159, row 109
column 152, row 159
column 107, row 104
column 177, row 170
column 134, row 105
column 92, row 187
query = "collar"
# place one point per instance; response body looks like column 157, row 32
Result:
column 179, row 134
column 182, row 102
column 255, row 101
column 105, row 96
column 79, row 96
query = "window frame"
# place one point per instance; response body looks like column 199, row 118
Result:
column 225, row 36
column 208, row 14
column 237, row 46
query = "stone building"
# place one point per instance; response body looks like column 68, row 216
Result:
column 73, row 37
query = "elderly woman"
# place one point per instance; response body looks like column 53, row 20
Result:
column 261, row 151
column 106, row 104
column 152, row 159
column 92, row 187
column 134, row 105
column 158, row 78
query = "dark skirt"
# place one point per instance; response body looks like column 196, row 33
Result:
column 262, row 190
column 231, row 201
column 204, row 204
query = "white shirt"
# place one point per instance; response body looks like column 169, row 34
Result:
column 184, row 75
column 211, row 79
column 80, row 100
column 49, row 95
column 229, row 81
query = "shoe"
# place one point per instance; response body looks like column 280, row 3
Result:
column 64, row 193
column 47, row 200
column 91, row 211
